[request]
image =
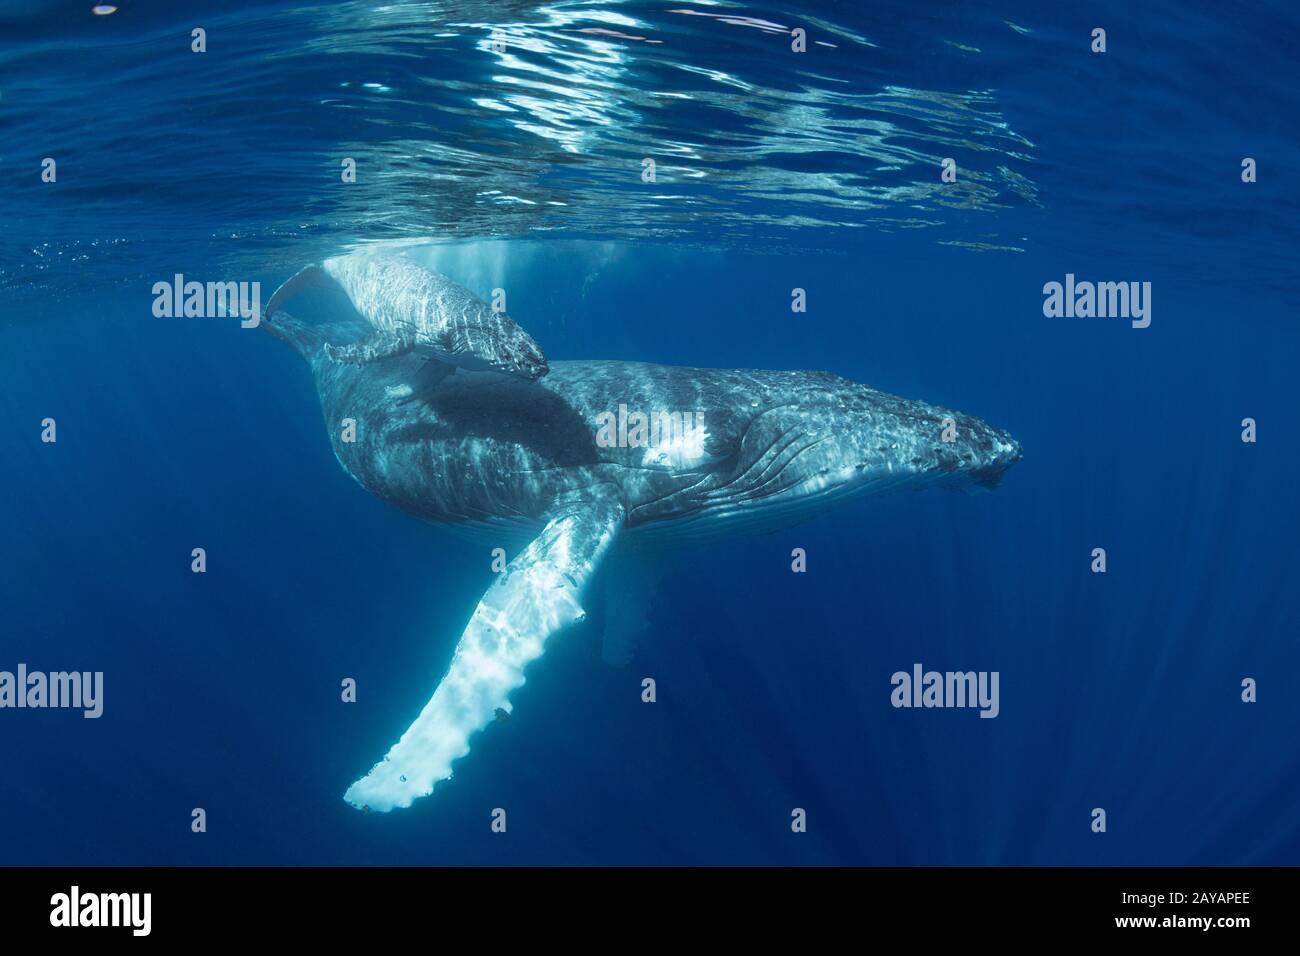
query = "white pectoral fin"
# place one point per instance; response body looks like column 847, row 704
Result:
column 373, row 348
column 536, row 596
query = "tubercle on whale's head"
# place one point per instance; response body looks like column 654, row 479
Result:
column 931, row 445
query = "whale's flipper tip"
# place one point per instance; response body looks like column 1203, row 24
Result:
column 385, row 788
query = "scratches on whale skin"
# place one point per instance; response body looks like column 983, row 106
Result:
column 665, row 497
column 767, row 476
column 770, row 455
column 727, row 485
column 760, row 488
column 765, row 490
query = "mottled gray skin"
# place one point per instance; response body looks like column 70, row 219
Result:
column 489, row 452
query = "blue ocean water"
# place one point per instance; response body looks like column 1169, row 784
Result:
column 503, row 142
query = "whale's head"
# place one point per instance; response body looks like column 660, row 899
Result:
column 832, row 438
column 530, row 362
column 893, row 440
column 500, row 346
column 515, row 353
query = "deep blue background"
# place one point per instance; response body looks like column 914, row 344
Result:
column 1118, row 690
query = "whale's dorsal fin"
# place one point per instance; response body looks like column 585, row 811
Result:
column 537, row 596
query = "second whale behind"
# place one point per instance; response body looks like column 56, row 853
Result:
column 413, row 309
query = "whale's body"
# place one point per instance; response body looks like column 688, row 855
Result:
column 557, row 461
column 495, row 455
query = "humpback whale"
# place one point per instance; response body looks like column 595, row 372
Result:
column 517, row 459
column 414, row 309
